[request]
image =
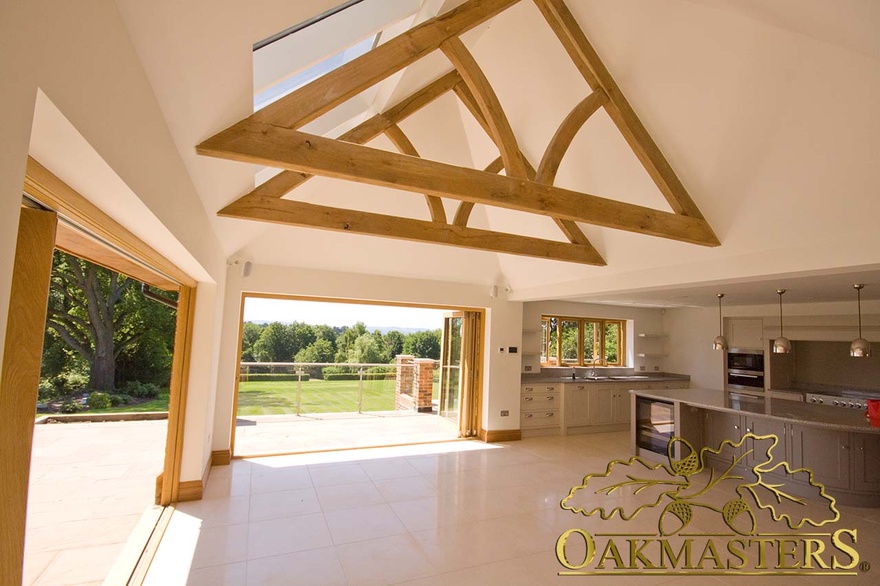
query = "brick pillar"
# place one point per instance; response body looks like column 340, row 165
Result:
column 403, row 389
column 424, row 376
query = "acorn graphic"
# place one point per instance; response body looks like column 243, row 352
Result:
column 675, row 517
column 688, row 465
column 738, row 515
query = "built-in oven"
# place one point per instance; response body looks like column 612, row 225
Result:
column 745, row 370
column 745, row 360
column 655, row 424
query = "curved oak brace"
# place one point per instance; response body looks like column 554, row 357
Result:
column 463, row 213
column 264, row 144
column 286, row 181
column 566, row 132
column 405, row 146
column 587, row 61
column 490, row 107
column 296, row 213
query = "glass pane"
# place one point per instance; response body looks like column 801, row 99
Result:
column 569, row 342
column 591, row 342
column 450, row 381
column 612, row 343
column 545, row 340
column 552, row 347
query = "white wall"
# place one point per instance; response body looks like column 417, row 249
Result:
column 503, row 328
column 79, row 54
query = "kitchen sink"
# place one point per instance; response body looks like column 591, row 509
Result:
column 630, row 377
column 598, row 377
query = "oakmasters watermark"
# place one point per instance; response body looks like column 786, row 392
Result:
column 709, row 516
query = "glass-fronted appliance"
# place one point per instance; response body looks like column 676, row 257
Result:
column 655, row 424
column 745, row 370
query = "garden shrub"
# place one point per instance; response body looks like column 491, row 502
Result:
column 71, row 407
column 72, row 381
column 141, row 390
column 99, row 400
column 119, row 400
column 48, row 391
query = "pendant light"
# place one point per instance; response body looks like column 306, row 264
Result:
column 781, row 345
column 860, row 347
column 720, row 342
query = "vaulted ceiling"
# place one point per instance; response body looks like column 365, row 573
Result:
column 772, row 156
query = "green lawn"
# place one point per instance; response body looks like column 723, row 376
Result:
column 318, row 396
column 158, row 404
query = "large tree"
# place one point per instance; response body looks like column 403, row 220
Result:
column 101, row 314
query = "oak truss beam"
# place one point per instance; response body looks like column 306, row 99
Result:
column 270, row 137
column 295, row 213
column 262, row 144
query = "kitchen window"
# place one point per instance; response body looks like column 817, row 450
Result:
column 582, row 341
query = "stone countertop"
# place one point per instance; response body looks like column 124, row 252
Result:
column 835, row 390
column 825, row 416
column 637, row 378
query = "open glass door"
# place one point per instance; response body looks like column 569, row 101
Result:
column 450, row 366
column 460, row 370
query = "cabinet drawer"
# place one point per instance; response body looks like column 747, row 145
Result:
column 548, row 418
column 535, row 401
column 538, row 389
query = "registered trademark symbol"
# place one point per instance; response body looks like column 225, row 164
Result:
column 865, row 566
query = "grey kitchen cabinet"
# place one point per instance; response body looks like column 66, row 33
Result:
column 577, row 405
column 746, row 332
column 866, row 462
column 540, row 407
column 601, row 403
column 756, row 451
column 720, row 426
column 621, row 405
column 824, row 451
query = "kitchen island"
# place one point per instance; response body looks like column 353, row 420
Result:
column 839, row 445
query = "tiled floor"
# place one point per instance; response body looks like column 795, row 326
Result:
column 274, row 434
column 454, row 513
column 89, row 485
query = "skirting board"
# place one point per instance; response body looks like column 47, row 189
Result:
column 193, row 490
column 500, row 435
column 221, row 458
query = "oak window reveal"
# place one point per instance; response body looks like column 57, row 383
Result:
column 582, row 341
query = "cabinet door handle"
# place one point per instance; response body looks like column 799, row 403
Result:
column 529, row 389
column 550, row 388
column 549, row 414
column 736, row 427
column 748, row 430
column 550, row 397
column 845, row 448
column 527, row 415
column 861, row 448
column 528, row 398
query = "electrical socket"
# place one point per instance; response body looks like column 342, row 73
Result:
column 527, row 368
column 642, row 368
column 505, row 413
column 657, row 368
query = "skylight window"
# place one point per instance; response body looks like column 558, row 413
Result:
column 302, row 53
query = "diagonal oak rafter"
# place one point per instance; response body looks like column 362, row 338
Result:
column 269, row 137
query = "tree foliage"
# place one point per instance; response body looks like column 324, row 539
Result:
column 99, row 320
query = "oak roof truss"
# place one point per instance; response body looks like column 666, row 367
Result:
column 271, row 137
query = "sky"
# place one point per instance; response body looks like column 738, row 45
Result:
column 341, row 314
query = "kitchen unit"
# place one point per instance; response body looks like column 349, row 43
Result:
column 838, row 445
column 556, row 405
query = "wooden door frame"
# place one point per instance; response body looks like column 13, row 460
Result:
column 19, row 379
column 153, row 268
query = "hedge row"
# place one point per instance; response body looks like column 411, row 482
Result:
column 356, row 376
column 255, row 377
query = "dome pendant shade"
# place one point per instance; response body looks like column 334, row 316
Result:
column 860, row 347
column 781, row 345
column 720, row 342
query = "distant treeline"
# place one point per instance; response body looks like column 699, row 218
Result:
column 301, row 342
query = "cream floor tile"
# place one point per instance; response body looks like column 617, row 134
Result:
column 80, row 565
column 318, row 567
column 388, row 560
column 223, row 575
column 363, row 523
column 287, row 535
column 348, row 496
column 408, row 488
column 223, row 544
column 82, row 533
column 388, row 468
column 35, row 564
column 217, row 512
column 273, row 505
column 335, row 474
column 227, row 486
column 277, row 480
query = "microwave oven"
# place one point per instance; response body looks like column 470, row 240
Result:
column 748, row 360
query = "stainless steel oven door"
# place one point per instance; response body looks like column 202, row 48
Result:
column 745, row 379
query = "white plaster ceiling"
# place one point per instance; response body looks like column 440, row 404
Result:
column 765, row 109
